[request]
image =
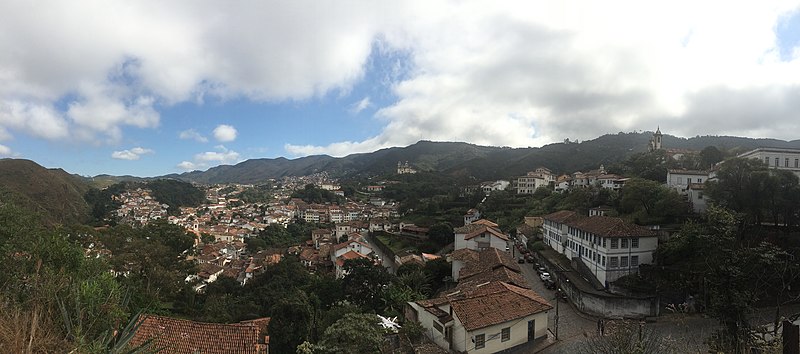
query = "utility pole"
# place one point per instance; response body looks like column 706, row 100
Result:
column 557, row 316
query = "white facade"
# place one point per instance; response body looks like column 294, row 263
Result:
column 680, row 179
column 481, row 241
column 608, row 256
column 697, row 197
column 777, row 158
column 528, row 184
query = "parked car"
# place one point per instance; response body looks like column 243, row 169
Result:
column 545, row 276
column 528, row 258
column 521, row 260
column 541, row 270
column 549, row 284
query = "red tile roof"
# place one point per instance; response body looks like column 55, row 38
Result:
column 172, row 335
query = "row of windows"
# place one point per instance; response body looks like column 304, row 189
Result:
column 785, row 162
column 622, row 262
column 480, row 339
column 689, row 180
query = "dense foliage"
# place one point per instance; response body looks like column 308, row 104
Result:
column 176, row 194
column 312, row 194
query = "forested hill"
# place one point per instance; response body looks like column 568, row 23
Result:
column 53, row 193
column 462, row 159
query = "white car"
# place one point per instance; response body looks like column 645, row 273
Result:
column 545, row 276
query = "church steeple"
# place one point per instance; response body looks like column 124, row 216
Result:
column 655, row 141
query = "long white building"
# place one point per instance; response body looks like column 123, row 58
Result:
column 610, row 247
column 778, row 158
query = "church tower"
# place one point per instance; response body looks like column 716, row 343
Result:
column 655, row 141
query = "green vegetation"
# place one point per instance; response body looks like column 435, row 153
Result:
column 176, row 194
column 397, row 244
column 312, row 194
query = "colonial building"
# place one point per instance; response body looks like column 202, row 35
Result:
column 778, row 158
column 491, row 310
column 609, row 247
column 655, row 141
column 541, row 177
column 681, row 179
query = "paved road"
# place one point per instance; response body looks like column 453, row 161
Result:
column 685, row 333
column 388, row 263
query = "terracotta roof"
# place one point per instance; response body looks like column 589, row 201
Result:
column 349, row 255
column 560, row 216
column 496, row 274
column 495, row 303
column 464, row 254
column 485, row 222
column 606, row 226
column 473, row 230
column 488, row 260
column 172, row 335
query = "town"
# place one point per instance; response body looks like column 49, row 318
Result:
column 570, row 279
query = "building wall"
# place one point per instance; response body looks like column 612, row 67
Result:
column 680, row 181
column 698, row 200
column 463, row 340
column 426, row 319
column 777, row 158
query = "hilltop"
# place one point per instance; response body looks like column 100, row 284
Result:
column 470, row 160
column 54, row 193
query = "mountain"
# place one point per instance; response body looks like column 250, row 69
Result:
column 54, row 193
column 469, row 160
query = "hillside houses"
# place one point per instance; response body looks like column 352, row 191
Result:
column 139, row 207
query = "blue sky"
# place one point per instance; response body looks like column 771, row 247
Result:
column 158, row 89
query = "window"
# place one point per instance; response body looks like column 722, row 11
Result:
column 623, row 261
column 634, row 261
column 604, row 242
column 604, row 261
column 786, row 163
column 766, row 160
column 796, row 163
column 624, row 243
column 613, row 262
column 635, row 242
column 614, row 243
column 505, row 334
column 777, row 161
column 680, row 180
column 480, row 341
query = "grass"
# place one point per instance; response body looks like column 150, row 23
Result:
column 396, row 244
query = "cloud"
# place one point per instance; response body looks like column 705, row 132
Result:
column 225, row 133
column 132, row 154
column 359, row 106
column 223, row 156
column 193, row 135
column 515, row 73
column 5, row 151
column 531, row 73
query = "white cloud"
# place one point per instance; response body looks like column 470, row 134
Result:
column 225, row 133
column 361, row 105
column 517, row 73
column 5, row 151
column 193, row 135
column 132, row 154
column 223, row 156
column 188, row 166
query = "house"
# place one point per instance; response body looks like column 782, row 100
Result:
column 321, row 236
column 541, row 177
column 471, row 215
column 609, row 247
column 778, row 158
column 171, row 335
column 696, row 197
column 680, row 179
column 487, row 318
column 489, row 187
column 486, row 265
column 355, row 247
column 480, row 235
column 405, row 168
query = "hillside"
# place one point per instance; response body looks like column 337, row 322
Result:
column 54, row 193
column 469, row 160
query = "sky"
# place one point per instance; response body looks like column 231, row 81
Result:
column 149, row 88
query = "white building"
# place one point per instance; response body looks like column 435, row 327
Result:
column 696, row 196
column 480, row 235
column 541, row 177
column 609, row 247
column 489, row 187
column 680, row 179
column 778, row 158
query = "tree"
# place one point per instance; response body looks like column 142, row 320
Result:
column 651, row 198
column 710, row 156
column 364, row 283
column 291, row 322
column 441, row 234
column 354, row 333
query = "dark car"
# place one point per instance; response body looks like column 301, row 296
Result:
column 521, row 260
column 529, row 258
column 549, row 284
